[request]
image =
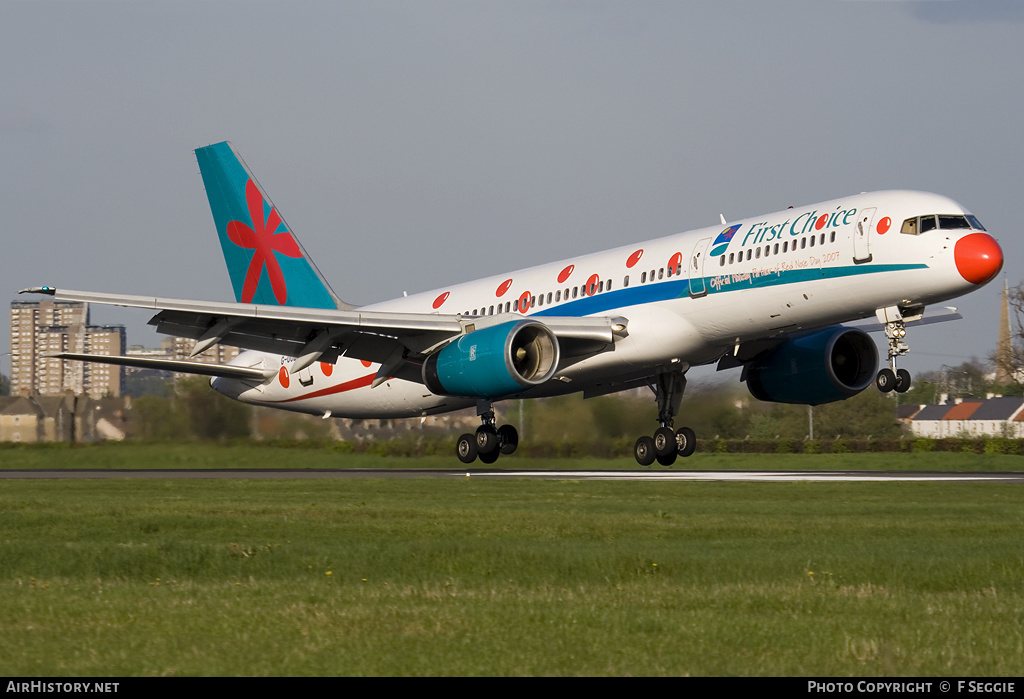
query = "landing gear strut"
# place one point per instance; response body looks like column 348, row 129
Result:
column 667, row 444
column 890, row 378
column 489, row 442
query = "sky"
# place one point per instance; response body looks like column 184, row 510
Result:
column 411, row 145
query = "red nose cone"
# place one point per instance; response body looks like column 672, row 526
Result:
column 978, row 257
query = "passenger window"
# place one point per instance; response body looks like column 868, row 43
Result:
column 549, row 297
column 625, row 281
column 575, row 290
column 803, row 243
column 732, row 257
column 812, row 240
column 927, row 224
column 785, row 246
column 661, row 273
column 643, row 278
column 749, row 254
column 822, row 241
column 515, row 305
column 490, row 311
column 609, row 285
column 775, row 251
column 757, row 254
column 541, row 300
column 832, row 238
column 721, row 261
column 558, row 295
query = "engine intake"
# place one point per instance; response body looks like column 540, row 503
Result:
column 494, row 362
column 821, row 367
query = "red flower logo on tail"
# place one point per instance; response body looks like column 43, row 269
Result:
column 265, row 242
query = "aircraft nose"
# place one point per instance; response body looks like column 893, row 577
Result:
column 978, row 257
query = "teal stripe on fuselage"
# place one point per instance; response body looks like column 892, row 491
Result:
column 678, row 288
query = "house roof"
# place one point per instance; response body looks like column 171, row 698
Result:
column 932, row 412
column 999, row 408
column 961, row 411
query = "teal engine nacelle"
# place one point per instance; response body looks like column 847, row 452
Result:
column 494, row 362
column 820, row 367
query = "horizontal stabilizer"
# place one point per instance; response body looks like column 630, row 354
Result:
column 181, row 367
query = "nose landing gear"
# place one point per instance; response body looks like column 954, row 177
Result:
column 890, row 378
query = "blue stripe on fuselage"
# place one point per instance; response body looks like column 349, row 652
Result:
column 678, row 288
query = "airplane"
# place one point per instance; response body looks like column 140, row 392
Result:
column 773, row 294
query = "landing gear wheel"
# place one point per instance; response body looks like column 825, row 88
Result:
column 886, row 380
column 508, row 438
column 486, row 440
column 903, row 381
column 686, row 441
column 490, row 457
column 664, row 443
column 643, row 451
column 668, row 459
column 465, row 448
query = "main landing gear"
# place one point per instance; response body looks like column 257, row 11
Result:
column 667, row 444
column 488, row 443
column 890, row 378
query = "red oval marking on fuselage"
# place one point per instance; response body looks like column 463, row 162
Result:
column 441, row 299
column 327, row 368
column 282, row 376
column 883, row 225
column 634, row 258
column 524, row 302
column 591, row 287
column 675, row 262
column 564, row 274
column 820, row 223
column 503, row 288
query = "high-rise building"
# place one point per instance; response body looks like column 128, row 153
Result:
column 41, row 328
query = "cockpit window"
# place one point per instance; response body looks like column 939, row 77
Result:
column 923, row 224
column 947, row 222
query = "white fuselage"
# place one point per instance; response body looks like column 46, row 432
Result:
column 688, row 298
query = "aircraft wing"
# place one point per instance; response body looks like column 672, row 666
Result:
column 313, row 334
column 181, row 367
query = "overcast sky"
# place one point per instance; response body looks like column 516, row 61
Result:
column 411, row 145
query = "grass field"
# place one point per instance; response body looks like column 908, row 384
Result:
column 465, row 577
column 189, row 455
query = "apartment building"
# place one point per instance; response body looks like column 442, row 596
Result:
column 42, row 328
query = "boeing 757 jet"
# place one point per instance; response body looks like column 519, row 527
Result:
column 769, row 295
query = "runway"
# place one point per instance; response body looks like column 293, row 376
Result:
column 494, row 474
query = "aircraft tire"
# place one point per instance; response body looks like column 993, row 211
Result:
column 686, row 441
column 643, row 451
column 664, row 442
column 903, row 381
column 486, row 439
column 465, row 448
column 508, row 438
column 886, row 380
column 668, row 459
column 490, row 457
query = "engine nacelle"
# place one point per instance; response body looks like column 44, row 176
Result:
column 498, row 361
column 821, row 367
